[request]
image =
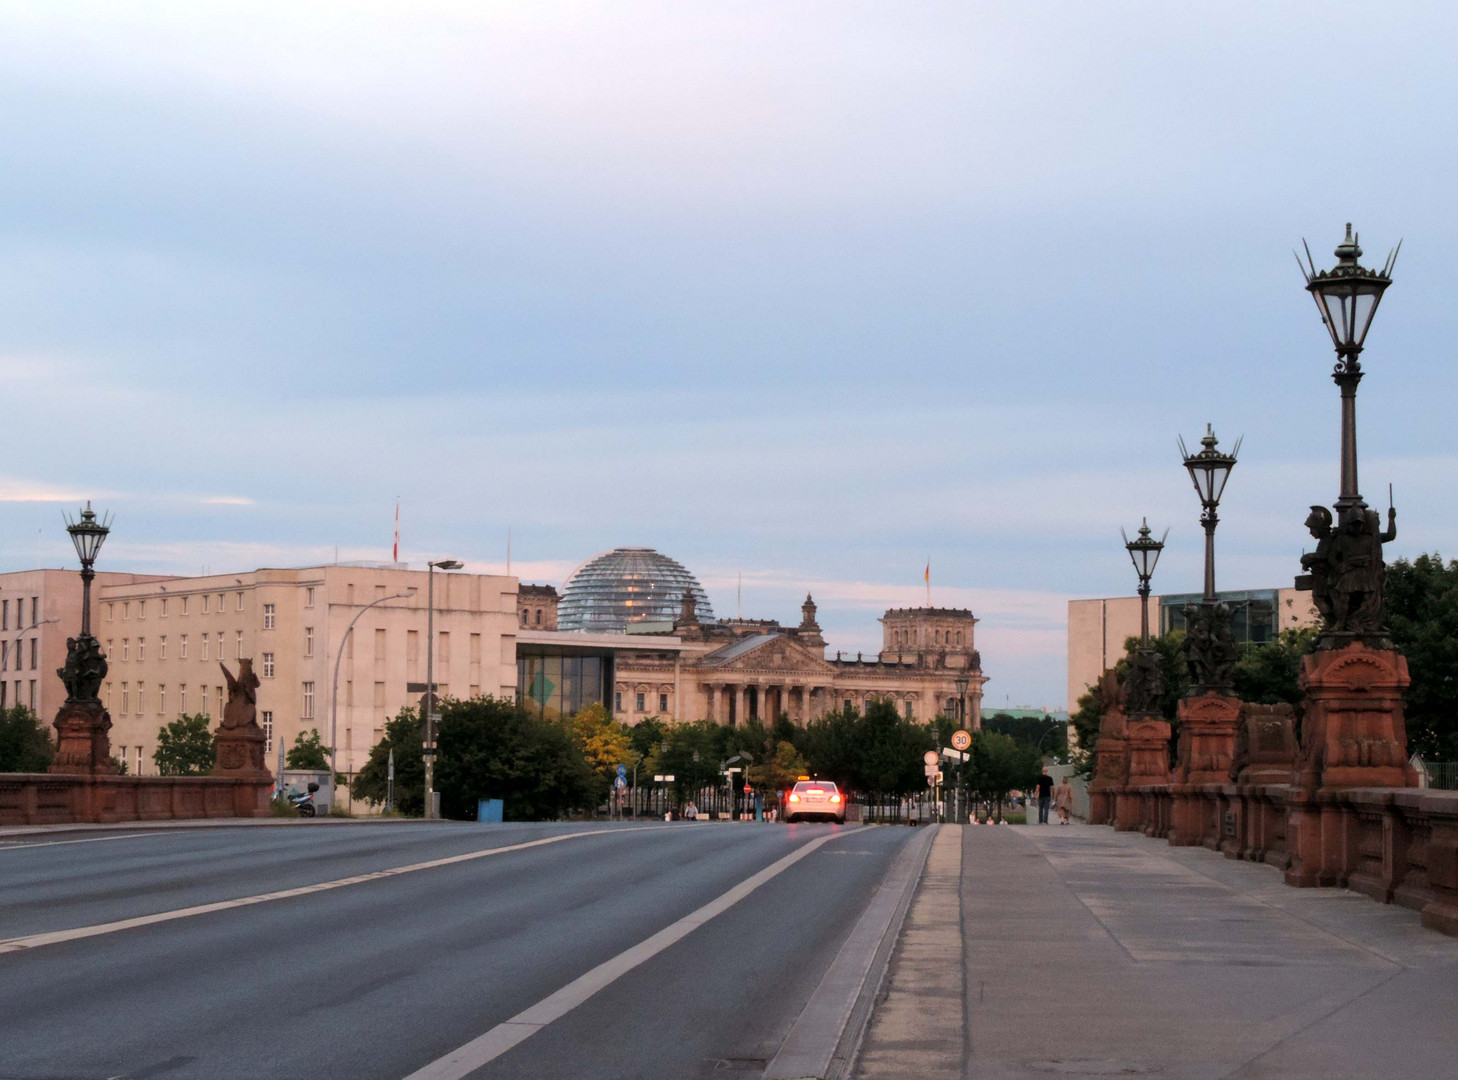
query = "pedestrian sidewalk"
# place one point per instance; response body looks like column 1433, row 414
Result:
column 1081, row 951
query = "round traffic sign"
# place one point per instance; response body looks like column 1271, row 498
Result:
column 622, row 770
column 961, row 740
column 931, row 757
column 747, row 789
column 620, row 783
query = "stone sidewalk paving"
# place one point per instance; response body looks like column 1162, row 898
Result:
column 1087, row 952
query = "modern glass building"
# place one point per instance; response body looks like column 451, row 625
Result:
column 1252, row 614
column 627, row 585
column 553, row 682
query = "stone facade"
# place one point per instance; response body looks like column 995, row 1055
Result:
column 732, row 670
column 536, row 607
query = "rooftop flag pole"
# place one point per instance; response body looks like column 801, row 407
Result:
column 508, row 551
column 396, row 556
column 927, row 575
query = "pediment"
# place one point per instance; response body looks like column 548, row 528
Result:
column 777, row 654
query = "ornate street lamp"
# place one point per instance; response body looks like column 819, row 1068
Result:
column 1347, row 296
column 961, row 682
column 1209, row 469
column 88, row 535
column 1145, row 555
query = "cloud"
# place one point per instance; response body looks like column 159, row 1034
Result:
column 14, row 490
column 226, row 500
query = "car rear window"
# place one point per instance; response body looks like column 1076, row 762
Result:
column 816, row 789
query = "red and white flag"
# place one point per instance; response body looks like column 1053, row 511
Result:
column 396, row 556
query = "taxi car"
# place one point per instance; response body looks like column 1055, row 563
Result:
column 815, row 799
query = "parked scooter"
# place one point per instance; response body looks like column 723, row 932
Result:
column 303, row 801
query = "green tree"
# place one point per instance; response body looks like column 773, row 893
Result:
column 25, row 746
column 492, row 748
column 998, row 765
column 1422, row 613
column 778, row 771
column 1267, row 674
column 891, row 749
column 1042, row 734
column 404, row 735
column 185, row 747
column 308, row 752
column 830, row 749
column 693, row 755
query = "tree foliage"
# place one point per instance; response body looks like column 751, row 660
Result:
column 604, row 744
column 495, row 749
column 308, row 752
column 404, row 735
column 1042, row 734
column 25, row 745
column 185, row 747
column 1267, row 674
column 1422, row 613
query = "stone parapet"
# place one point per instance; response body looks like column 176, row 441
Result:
column 68, row 799
column 1352, row 731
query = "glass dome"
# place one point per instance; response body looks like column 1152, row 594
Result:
column 627, row 585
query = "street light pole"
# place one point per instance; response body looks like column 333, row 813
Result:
column 431, row 567
column 1347, row 296
column 334, row 691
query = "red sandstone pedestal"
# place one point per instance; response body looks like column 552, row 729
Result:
column 83, row 748
column 1111, row 767
column 1352, row 735
column 1148, row 767
column 1208, row 725
column 240, row 754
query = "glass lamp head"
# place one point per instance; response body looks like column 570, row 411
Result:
column 88, row 534
column 1209, row 468
column 1347, row 295
column 1144, row 551
column 961, row 684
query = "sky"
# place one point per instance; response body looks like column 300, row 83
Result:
column 808, row 293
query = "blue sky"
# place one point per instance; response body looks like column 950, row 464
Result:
column 808, row 291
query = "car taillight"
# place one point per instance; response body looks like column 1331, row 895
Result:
column 835, row 798
column 794, row 798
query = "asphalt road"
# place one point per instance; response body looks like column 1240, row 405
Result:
column 381, row 977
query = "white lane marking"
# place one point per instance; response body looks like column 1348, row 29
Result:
column 485, row 1048
column 35, row 941
column 89, row 840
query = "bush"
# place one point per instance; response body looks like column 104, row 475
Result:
column 25, row 745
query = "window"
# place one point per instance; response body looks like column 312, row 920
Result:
column 220, row 698
column 412, row 646
column 124, row 699
column 663, row 703
column 222, row 602
column 908, row 711
column 268, row 665
column 162, row 647
column 126, row 648
column 162, row 699
column 523, row 616
column 32, row 695
column 126, row 611
column 308, row 641
column 379, row 644
column 185, row 600
column 476, row 649
column 122, row 755
column 618, row 701
column 959, row 637
column 238, row 641
column 182, row 647
column 639, row 703
column 141, row 698
column 267, row 715
column 309, row 597
column 139, row 761
column 539, row 616
column 5, row 614
column 268, row 616
column 34, row 653
column 141, row 609
column 141, row 648
column 240, row 601
column 380, row 698
column 182, row 698
column 205, row 603
column 308, row 713
column 109, row 651
column 164, row 608
column 34, row 610
column 204, row 648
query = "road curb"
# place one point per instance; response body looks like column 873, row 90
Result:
column 824, row 1040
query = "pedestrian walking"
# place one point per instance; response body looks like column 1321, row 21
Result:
column 1063, row 800
column 1045, row 796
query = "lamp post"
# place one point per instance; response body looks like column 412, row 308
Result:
column 1347, row 296
column 432, row 567
column 961, row 683
column 334, row 691
column 1144, row 552
column 88, row 535
column 1209, row 469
